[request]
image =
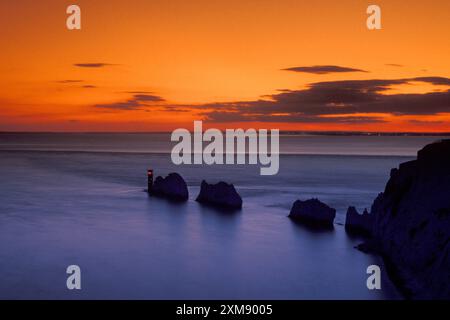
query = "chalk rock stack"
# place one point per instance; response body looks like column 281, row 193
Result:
column 313, row 212
column 172, row 187
column 222, row 195
column 358, row 224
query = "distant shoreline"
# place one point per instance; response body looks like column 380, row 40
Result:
column 62, row 151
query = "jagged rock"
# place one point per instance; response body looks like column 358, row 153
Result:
column 172, row 187
column 360, row 224
column 313, row 212
column 222, row 194
column 412, row 223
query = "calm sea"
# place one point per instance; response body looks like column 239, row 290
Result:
column 79, row 199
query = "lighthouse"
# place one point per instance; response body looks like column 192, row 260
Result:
column 149, row 180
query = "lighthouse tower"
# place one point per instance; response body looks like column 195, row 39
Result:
column 149, row 180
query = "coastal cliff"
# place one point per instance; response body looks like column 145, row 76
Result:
column 411, row 224
column 358, row 224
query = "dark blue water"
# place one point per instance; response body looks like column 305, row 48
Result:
column 60, row 208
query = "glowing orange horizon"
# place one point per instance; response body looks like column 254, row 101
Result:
column 202, row 52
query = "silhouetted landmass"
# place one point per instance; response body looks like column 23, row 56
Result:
column 412, row 224
column 172, row 187
column 222, row 195
column 358, row 224
column 313, row 213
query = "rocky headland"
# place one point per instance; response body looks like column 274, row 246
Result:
column 411, row 224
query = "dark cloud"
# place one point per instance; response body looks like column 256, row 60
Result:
column 323, row 69
column 426, row 122
column 394, row 65
column 216, row 116
column 434, row 80
column 283, row 90
column 172, row 109
column 89, row 86
column 343, row 100
column 147, row 97
column 92, row 65
column 138, row 101
column 346, row 102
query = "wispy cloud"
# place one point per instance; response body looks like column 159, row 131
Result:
column 394, row 65
column 93, row 65
column 136, row 102
column 323, row 69
column 69, row 81
column 139, row 92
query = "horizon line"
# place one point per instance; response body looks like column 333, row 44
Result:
column 338, row 132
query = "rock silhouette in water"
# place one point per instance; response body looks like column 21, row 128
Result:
column 313, row 212
column 172, row 187
column 222, row 195
column 412, row 224
column 358, row 224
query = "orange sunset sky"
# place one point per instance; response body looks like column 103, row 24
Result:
column 157, row 65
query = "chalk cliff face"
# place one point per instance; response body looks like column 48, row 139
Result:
column 412, row 223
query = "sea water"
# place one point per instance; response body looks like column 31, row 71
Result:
column 79, row 199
